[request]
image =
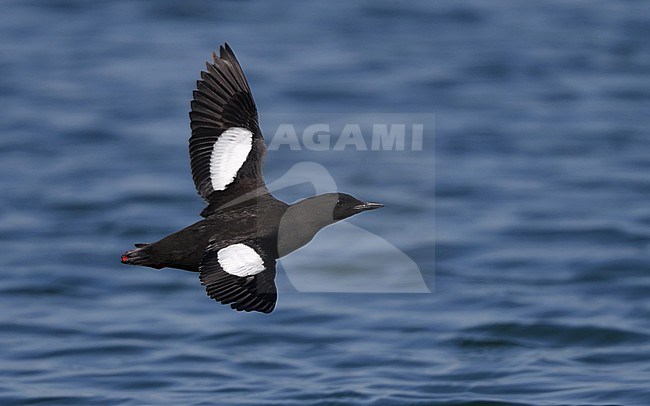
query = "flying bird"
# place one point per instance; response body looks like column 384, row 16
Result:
column 244, row 229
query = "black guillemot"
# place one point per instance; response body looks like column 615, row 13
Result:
column 245, row 229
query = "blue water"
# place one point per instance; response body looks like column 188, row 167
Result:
column 530, row 221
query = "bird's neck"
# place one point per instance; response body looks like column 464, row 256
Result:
column 298, row 226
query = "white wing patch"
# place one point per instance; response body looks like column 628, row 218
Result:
column 228, row 155
column 240, row 260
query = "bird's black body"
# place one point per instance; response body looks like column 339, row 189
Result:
column 256, row 218
column 245, row 229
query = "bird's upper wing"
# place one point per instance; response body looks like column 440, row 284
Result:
column 226, row 147
column 240, row 274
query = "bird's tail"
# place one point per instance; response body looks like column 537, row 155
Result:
column 137, row 256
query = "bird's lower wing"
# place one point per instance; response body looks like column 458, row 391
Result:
column 240, row 274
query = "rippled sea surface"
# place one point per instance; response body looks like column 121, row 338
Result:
column 530, row 222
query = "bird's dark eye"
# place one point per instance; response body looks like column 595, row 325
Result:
column 339, row 203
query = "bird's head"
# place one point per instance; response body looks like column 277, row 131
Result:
column 346, row 206
column 332, row 207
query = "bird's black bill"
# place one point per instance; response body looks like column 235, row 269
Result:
column 368, row 206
